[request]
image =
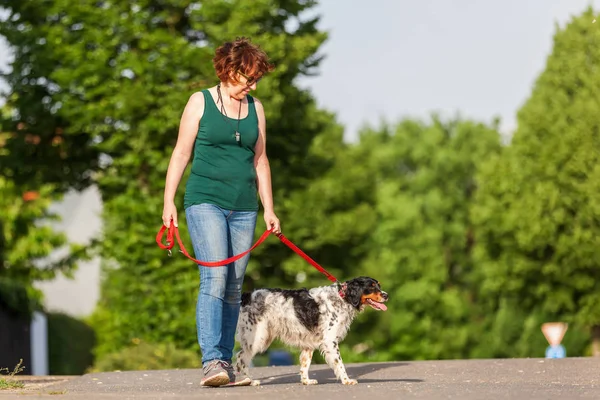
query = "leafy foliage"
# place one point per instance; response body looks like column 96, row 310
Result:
column 142, row 356
column 538, row 230
column 26, row 244
column 56, row 151
column 422, row 178
column 65, row 355
column 40, row 158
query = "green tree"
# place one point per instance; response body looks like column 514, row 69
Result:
column 538, row 224
column 40, row 158
column 422, row 176
column 44, row 147
column 27, row 246
column 30, row 249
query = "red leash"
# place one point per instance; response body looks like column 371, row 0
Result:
column 172, row 230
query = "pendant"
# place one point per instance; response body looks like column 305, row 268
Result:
column 237, row 136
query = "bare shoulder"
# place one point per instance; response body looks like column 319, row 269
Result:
column 257, row 102
column 259, row 106
column 197, row 98
column 195, row 106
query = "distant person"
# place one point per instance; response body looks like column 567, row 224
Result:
column 225, row 130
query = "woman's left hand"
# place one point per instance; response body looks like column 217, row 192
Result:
column 272, row 222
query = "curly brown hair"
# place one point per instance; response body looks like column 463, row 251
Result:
column 240, row 55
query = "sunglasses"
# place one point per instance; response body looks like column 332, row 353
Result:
column 249, row 79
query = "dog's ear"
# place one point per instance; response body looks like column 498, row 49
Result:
column 353, row 294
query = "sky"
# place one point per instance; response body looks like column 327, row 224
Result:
column 389, row 59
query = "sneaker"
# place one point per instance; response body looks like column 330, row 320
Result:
column 236, row 379
column 215, row 374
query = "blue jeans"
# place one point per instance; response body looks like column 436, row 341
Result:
column 218, row 234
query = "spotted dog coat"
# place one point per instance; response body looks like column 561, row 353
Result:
column 317, row 318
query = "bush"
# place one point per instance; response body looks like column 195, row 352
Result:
column 148, row 356
column 17, row 298
column 70, row 345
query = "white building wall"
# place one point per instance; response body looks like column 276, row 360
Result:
column 81, row 221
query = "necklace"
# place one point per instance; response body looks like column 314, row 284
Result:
column 238, row 137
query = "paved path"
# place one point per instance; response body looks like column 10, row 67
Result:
column 570, row 378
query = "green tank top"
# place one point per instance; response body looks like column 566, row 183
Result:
column 223, row 170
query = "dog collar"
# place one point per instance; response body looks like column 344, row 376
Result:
column 342, row 290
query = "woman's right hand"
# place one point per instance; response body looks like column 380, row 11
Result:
column 169, row 213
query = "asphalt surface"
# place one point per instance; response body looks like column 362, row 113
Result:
column 569, row 378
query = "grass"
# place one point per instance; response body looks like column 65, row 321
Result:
column 9, row 382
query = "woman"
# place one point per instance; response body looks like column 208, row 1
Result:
column 225, row 128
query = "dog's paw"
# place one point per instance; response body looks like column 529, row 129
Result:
column 310, row 381
column 255, row 382
column 349, row 381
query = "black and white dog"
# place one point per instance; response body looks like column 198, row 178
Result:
column 317, row 318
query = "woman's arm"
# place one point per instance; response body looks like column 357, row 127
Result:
column 188, row 129
column 263, row 171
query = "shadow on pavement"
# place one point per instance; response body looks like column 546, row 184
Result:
column 326, row 375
